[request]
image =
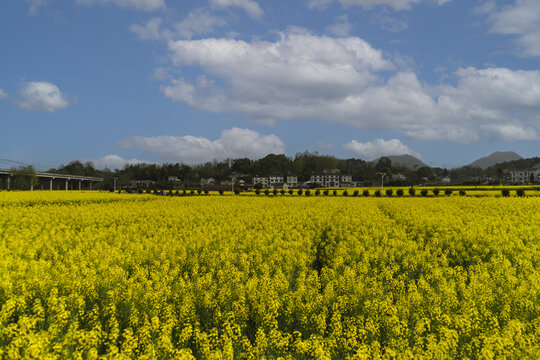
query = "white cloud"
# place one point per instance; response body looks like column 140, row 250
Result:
column 42, row 96
column 34, row 5
column 324, row 145
column 251, row 7
column 342, row 27
column 150, row 31
column 397, row 5
column 144, row 5
column 233, row 143
column 345, row 80
column 521, row 20
column 113, row 162
column 198, row 22
column 379, row 147
column 510, row 132
column 3, row 94
column 293, row 76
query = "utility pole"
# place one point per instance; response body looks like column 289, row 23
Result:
column 232, row 186
column 114, row 179
column 383, row 175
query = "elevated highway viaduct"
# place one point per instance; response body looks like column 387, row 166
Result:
column 49, row 181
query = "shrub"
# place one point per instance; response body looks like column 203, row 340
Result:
column 345, row 193
column 520, row 192
column 378, row 193
column 365, row 193
column 389, row 192
column 424, row 192
column 291, row 192
column 206, row 192
column 436, row 192
column 257, row 191
column 462, row 193
column 236, row 192
column 448, row 192
column 356, row 193
column 199, row 191
column 266, row 192
column 505, row 192
column 412, row 191
column 275, row 192
column 334, row 192
column 220, row 192
column 299, row 192
column 325, row 192
column 308, row 192
column 282, row 192
column 399, row 192
column 317, row 192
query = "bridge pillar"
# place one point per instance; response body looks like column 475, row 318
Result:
column 9, row 182
column 80, row 184
column 67, row 184
column 50, row 184
column 90, row 184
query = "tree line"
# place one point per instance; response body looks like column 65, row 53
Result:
column 302, row 165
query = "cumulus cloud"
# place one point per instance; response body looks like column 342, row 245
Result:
column 345, row 80
column 144, row 5
column 251, row 7
column 522, row 20
column 113, row 162
column 42, row 96
column 374, row 149
column 3, row 94
column 233, row 143
column 397, row 5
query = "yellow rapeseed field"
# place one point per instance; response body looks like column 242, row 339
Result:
column 114, row 276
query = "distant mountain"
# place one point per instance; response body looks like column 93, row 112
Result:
column 407, row 161
column 496, row 158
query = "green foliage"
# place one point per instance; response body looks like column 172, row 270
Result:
column 23, row 177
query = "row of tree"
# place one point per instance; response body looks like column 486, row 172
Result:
column 302, row 165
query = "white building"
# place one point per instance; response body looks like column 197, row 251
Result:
column 399, row 177
column 276, row 181
column 291, row 181
column 524, row 176
column 261, row 180
column 331, row 180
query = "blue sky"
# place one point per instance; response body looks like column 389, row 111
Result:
column 119, row 81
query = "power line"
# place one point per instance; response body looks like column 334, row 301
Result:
column 15, row 162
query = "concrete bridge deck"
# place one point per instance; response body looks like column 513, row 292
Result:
column 62, row 181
